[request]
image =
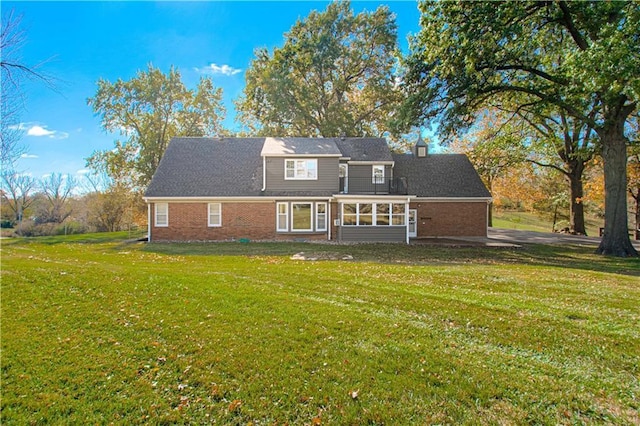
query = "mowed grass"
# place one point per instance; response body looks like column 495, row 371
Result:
column 98, row 330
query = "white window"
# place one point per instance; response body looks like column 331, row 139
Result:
column 301, row 217
column 321, row 216
column 365, row 214
column 301, row 169
column 368, row 214
column 162, row 214
column 215, row 214
column 350, row 214
column 282, row 217
column 382, row 214
column 397, row 214
column 377, row 174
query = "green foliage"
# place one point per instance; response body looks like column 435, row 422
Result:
column 581, row 58
column 97, row 330
column 542, row 53
column 149, row 110
column 334, row 76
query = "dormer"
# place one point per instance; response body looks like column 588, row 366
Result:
column 300, row 164
column 421, row 148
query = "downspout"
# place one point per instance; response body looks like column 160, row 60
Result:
column 329, row 220
column 264, row 174
column 406, row 218
column 486, row 229
column 148, row 222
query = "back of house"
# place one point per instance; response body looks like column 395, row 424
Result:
column 342, row 189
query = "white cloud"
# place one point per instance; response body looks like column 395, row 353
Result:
column 29, row 156
column 83, row 172
column 39, row 131
column 216, row 69
column 36, row 130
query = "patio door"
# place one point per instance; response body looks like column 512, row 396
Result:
column 413, row 223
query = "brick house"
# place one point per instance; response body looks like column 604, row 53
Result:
column 343, row 189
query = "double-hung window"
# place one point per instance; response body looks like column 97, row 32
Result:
column 162, row 214
column 215, row 214
column 321, row 216
column 377, row 174
column 301, row 169
column 282, row 217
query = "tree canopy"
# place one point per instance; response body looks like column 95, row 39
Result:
column 149, row 110
column 334, row 76
column 579, row 57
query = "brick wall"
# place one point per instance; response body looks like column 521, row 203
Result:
column 446, row 219
column 254, row 221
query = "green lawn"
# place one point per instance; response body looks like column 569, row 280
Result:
column 527, row 221
column 98, row 330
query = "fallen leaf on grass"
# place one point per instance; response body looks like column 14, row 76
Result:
column 235, row 405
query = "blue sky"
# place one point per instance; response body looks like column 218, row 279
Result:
column 82, row 42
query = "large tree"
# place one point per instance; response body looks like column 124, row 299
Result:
column 566, row 145
column 148, row 111
column 569, row 55
column 334, row 76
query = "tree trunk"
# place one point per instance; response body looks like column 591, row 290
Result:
column 637, row 202
column 615, row 241
column 576, row 208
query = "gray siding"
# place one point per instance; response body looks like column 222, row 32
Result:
column 374, row 233
column 327, row 176
column 360, row 179
column 366, row 171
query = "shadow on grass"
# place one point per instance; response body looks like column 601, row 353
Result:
column 92, row 238
column 562, row 256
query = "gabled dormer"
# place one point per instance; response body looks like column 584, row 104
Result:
column 421, row 148
column 300, row 165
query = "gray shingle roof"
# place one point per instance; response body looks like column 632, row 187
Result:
column 209, row 167
column 440, row 175
column 364, row 149
column 232, row 167
column 278, row 147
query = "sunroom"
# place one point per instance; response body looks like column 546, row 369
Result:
column 373, row 219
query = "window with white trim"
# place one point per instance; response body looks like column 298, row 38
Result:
column 321, row 216
column 365, row 214
column 162, row 214
column 368, row 214
column 382, row 214
column 398, row 214
column 282, row 217
column 301, row 214
column 377, row 174
column 215, row 214
column 350, row 214
column 301, row 169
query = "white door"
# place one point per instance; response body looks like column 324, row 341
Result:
column 413, row 224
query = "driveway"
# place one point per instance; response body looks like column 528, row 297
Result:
column 532, row 237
